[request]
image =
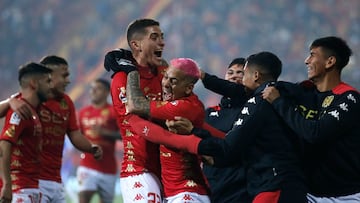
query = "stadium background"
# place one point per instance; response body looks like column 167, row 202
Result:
column 211, row 32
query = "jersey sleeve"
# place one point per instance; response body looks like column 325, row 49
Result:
column 118, row 93
column 224, row 87
column 73, row 122
column 168, row 110
column 339, row 116
column 230, row 150
column 13, row 126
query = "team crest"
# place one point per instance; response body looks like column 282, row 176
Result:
column 327, row 101
column 105, row 112
column 63, row 104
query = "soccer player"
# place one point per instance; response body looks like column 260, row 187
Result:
column 140, row 171
column 227, row 184
column 331, row 129
column 181, row 174
column 97, row 123
column 20, row 140
column 259, row 140
column 58, row 117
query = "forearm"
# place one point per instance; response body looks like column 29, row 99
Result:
column 5, row 149
column 111, row 134
column 223, row 87
column 136, row 101
column 157, row 134
column 80, row 142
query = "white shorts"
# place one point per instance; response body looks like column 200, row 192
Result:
column 93, row 180
column 354, row 198
column 32, row 195
column 142, row 188
column 52, row 191
column 188, row 197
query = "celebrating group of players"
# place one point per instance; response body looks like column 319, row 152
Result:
column 267, row 140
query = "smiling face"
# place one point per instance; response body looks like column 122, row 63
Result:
column 235, row 73
column 317, row 63
column 175, row 85
column 147, row 48
column 60, row 78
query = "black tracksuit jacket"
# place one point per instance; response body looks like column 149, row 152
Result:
column 267, row 148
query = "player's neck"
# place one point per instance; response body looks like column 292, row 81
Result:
column 328, row 82
column 30, row 97
column 99, row 105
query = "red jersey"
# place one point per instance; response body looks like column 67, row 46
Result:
column 58, row 117
column 25, row 137
column 181, row 171
column 105, row 117
column 139, row 155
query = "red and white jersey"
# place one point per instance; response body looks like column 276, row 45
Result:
column 25, row 137
column 139, row 155
column 104, row 117
column 58, row 117
column 180, row 171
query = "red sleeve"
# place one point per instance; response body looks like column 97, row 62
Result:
column 73, row 122
column 13, row 126
column 118, row 93
column 168, row 110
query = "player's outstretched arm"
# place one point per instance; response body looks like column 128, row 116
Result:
column 157, row 134
column 82, row 144
column 6, row 191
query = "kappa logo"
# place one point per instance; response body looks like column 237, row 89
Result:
column 145, row 130
column 175, row 103
column 245, row 110
column 252, row 100
column 239, row 122
column 344, row 107
column 187, row 197
column 214, row 113
column 137, row 184
column 138, row 197
column 351, row 98
column 335, row 114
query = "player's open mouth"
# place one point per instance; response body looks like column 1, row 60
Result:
column 167, row 96
column 158, row 53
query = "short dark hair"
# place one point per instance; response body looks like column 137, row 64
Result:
column 138, row 27
column 104, row 82
column 334, row 46
column 237, row 61
column 53, row 60
column 32, row 68
column 267, row 62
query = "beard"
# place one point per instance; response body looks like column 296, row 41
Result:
column 42, row 96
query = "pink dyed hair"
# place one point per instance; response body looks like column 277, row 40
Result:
column 187, row 65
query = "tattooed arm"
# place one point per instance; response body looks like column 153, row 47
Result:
column 137, row 103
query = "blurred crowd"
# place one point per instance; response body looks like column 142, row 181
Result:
column 211, row 32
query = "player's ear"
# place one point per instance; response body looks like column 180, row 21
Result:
column 135, row 45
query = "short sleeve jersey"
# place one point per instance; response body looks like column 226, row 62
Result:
column 58, row 117
column 25, row 137
column 139, row 155
column 180, row 170
column 104, row 117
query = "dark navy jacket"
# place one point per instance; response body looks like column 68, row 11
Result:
column 227, row 184
column 266, row 147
